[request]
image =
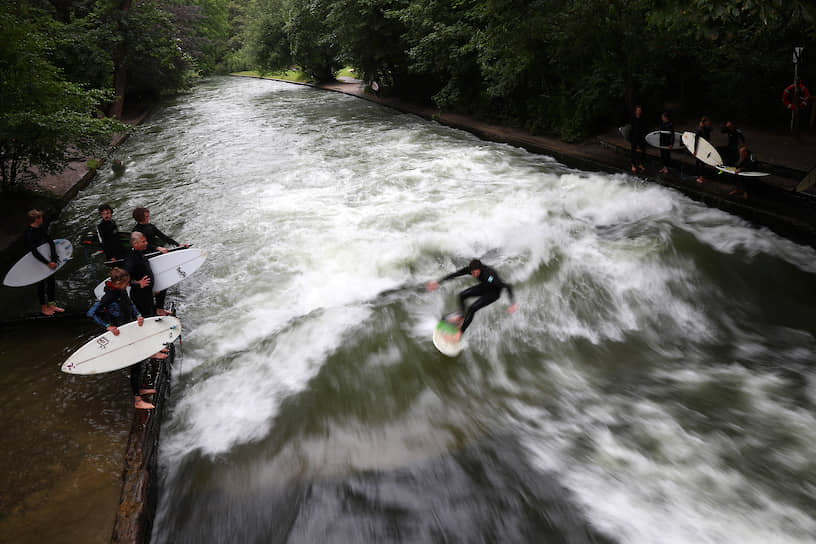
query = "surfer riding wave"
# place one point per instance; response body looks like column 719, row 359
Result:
column 488, row 290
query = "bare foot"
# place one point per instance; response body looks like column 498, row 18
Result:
column 641, row 168
column 159, row 355
column 664, row 170
column 47, row 310
column 162, row 312
column 700, row 179
column 634, row 169
column 147, row 391
column 56, row 308
column 454, row 337
column 142, row 405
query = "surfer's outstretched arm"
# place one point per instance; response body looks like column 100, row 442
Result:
column 434, row 285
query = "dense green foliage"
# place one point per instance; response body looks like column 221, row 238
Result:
column 561, row 66
column 65, row 62
column 42, row 115
column 565, row 67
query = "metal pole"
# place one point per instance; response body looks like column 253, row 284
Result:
column 797, row 55
column 795, row 103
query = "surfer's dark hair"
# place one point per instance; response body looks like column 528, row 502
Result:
column 103, row 207
column 475, row 264
column 139, row 214
column 33, row 215
column 119, row 274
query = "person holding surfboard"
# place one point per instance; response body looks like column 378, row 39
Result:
column 666, row 141
column 703, row 131
column 745, row 163
column 152, row 232
column 488, row 290
column 736, row 139
column 35, row 236
column 154, row 235
column 114, row 310
column 137, row 266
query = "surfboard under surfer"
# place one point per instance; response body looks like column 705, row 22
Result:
column 488, row 290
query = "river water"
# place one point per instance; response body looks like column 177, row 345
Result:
column 655, row 385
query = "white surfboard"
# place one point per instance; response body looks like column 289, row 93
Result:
column 653, row 139
column 168, row 269
column 107, row 352
column 29, row 270
column 733, row 170
column 444, row 328
column 705, row 151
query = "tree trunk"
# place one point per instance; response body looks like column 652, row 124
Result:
column 119, row 66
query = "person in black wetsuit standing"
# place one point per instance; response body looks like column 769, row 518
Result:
column 736, row 139
column 637, row 136
column 35, row 236
column 745, row 163
column 108, row 234
column 141, row 276
column 488, row 290
column 151, row 231
column 666, row 141
column 703, row 131
column 153, row 235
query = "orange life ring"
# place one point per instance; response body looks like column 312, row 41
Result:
column 788, row 97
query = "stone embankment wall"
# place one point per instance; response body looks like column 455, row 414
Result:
column 137, row 504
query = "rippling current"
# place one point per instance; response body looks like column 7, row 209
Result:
column 655, row 385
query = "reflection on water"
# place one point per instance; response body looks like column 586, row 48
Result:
column 63, row 438
column 654, row 386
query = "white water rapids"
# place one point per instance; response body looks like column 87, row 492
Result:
column 657, row 376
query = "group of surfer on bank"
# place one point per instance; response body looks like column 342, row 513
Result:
column 734, row 153
column 131, row 269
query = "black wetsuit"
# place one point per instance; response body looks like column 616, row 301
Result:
column 115, row 308
column 747, row 164
column 488, row 290
column 736, row 139
column 637, row 136
column 153, row 235
column 666, row 140
column 35, row 237
column 138, row 267
column 108, row 234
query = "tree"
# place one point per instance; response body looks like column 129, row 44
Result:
column 42, row 114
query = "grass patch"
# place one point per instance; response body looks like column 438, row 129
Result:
column 348, row 71
column 288, row 75
column 294, row 75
